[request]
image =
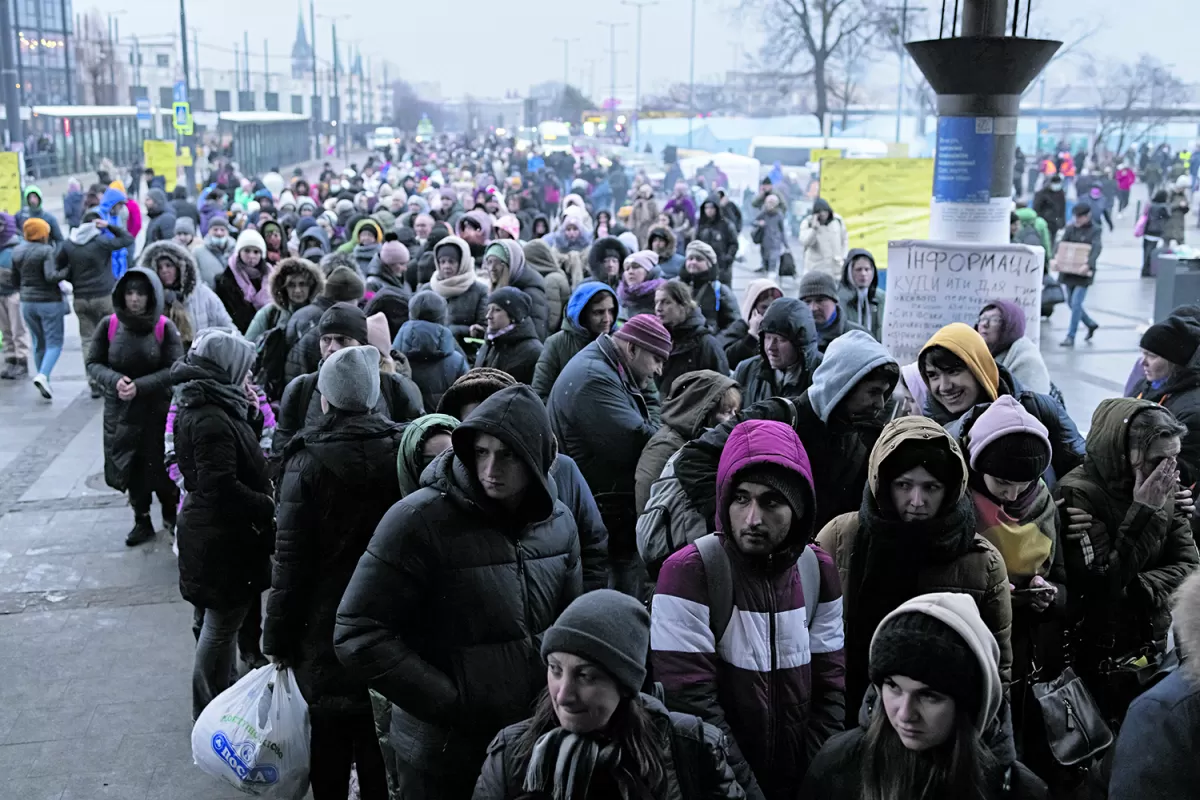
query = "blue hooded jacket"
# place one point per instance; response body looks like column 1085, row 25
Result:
column 120, row 258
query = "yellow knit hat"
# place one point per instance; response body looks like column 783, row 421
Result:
column 36, row 230
column 965, row 342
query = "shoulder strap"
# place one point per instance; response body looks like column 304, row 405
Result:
column 793, row 414
column 717, row 290
column 719, row 577
column 810, row 583
column 160, row 329
column 113, row 323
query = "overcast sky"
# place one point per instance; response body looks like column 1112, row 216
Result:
column 489, row 48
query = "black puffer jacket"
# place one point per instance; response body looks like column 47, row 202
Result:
column 399, row 401
column 693, row 347
column 445, row 612
column 340, row 481
column 515, row 352
column 791, row 319
column 227, row 520
column 715, row 299
column 134, row 430
column 161, row 219
column 35, row 274
column 695, row 759
column 720, row 235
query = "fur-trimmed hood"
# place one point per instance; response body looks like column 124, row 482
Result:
column 294, row 266
column 185, row 262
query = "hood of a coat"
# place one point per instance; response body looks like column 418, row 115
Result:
column 424, row 341
column 466, row 264
column 1012, row 324
column 516, row 260
column 110, row 198
column 144, row 321
column 958, row 612
column 480, row 218
column 766, row 443
column 821, row 204
column 848, row 282
column 848, row 359
column 792, row 320
column 664, row 232
column 160, row 202
column 408, row 459
column 539, row 256
column 1107, row 454
column 965, row 342
column 266, row 227
column 685, row 334
column 183, row 259
column 907, row 429
column 694, row 397
column 366, row 222
column 753, row 291
column 517, row 417
column 359, row 449
column 295, row 266
column 315, row 233
column 583, row 295
column 81, row 235
column 596, row 256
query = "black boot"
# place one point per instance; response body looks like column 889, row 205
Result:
column 143, row 531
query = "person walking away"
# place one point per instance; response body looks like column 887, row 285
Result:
column 1157, row 216
column 715, row 299
column 35, row 277
column 824, row 239
column 935, row 667
column 770, row 234
column 1002, row 325
column 468, row 664
column 340, row 479
column 130, row 357
column 73, row 203
column 858, row 295
column 819, row 291
column 1083, row 230
column 645, row 212
column 511, row 344
column 693, row 347
column 1177, row 204
column 1130, row 544
column 1033, row 230
column 1172, row 379
column 590, row 312
column 227, row 522
column 34, row 208
column 191, row 305
column 765, row 506
column 1125, row 177
column 244, row 287
column 433, row 355
column 592, row 731
column 13, row 334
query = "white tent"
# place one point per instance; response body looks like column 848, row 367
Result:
column 742, row 171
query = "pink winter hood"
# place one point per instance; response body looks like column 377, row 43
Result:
column 760, row 443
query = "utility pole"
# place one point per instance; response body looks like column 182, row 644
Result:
column 637, row 92
column 315, row 105
column 189, row 141
column 112, row 63
column 566, row 43
column 137, row 61
column 8, row 75
column 196, row 55
column 336, row 116
column 62, row 6
column 237, row 77
column 692, row 78
column 904, row 12
column 246, row 55
column 266, row 74
column 612, row 54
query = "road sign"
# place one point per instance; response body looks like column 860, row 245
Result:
column 144, row 119
column 180, row 92
column 183, row 118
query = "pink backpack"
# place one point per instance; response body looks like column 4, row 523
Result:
column 160, row 328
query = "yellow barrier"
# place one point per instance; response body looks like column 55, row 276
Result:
column 160, row 157
column 880, row 199
column 10, row 183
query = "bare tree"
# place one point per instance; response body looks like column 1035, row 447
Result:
column 811, row 34
column 1134, row 99
column 846, row 70
column 98, row 67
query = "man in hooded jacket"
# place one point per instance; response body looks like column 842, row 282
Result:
column 445, row 610
column 162, row 217
column 787, row 357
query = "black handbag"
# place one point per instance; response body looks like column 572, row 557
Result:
column 787, row 265
column 1075, row 727
column 756, row 235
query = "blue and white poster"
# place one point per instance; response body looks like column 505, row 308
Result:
column 962, row 168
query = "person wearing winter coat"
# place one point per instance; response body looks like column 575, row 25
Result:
column 605, row 259
column 87, row 256
column 776, row 712
column 1177, row 205
column 557, row 286
column 1136, row 546
column 73, row 203
column 35, row 208
column 1172, row 379
column 364, row 244
column 1002, row 326
column 936, row 668
column 212, row 207
column 1050, row 203
column 960, row 373
column 603, row 415
column 295, row 284
column 645, row 212
column 15, row 338
column 244, row 287
column 340, row 479
column 740, row 339
column 1082, row 230
column 838, row 419
column 714, row 230
column 917, row 492
column 434, row 357
column 275, row 239
column 35, row 277
column 183, row 207
column 511, row 342
column 664, row 243
column 590, row 312
column 444, row 613
column 465, row 295
column 191, row 306
column 342, row 285
column 214, row 250
column 1153, row 759
column 819, row 291
column 423, row 440
column 787, row 354
column 116, row 209
column 771, row 233
column 162, row 217
column 1157, row 214
column 693, row 346
column 715, row 299
column 227, row 520
column 504, row 261
column 640, row 281
column 858, row 295
column 696, row 402
column 573, row 236
column 387, row 270
column 130, row 357
column 593, row 732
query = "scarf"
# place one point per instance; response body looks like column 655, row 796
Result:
column 1018, row 529
column 209, row 391
column 562, row 764
column 246, row 277
column 453, row 286
column 365, row 252
column 865, row 312
column 627, row 294
column 492, row 336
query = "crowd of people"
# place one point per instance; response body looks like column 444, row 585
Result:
column 540, row 508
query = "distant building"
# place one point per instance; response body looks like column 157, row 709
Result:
column 40, row 35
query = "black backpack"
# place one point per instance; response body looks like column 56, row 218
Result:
column 272, row 349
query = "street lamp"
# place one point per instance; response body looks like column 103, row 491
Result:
column 337, row 140
column 637, row 91
column 692, row 78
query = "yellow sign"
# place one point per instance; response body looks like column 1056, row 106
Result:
column 10, row 183
column 160, row 157
column 822, row 153
column 880, row 199
column 185, row 156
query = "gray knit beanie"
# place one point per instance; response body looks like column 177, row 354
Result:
column 608, row 628
column 349, row 379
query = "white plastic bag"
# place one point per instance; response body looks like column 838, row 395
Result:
column 255, row 735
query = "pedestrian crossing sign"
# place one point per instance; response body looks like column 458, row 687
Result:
column 183, row 118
